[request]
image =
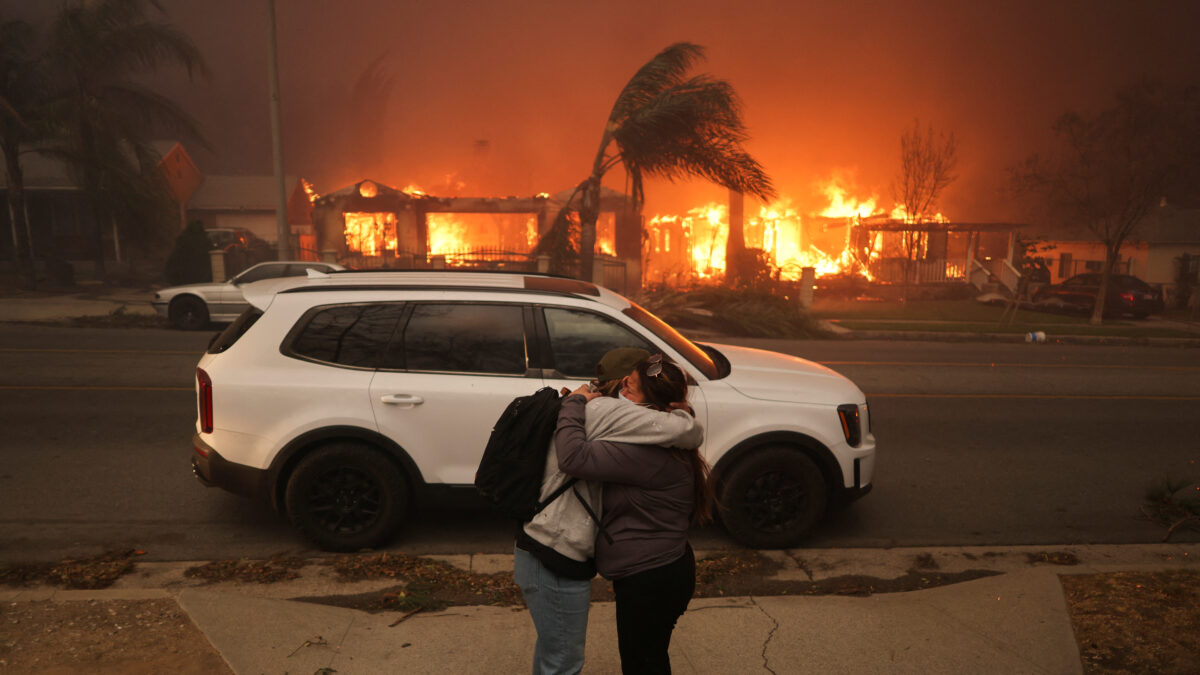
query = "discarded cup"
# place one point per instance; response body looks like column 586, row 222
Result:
column 1035, row 336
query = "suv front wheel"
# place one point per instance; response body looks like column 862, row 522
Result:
column 772, row 497
column 347, row 496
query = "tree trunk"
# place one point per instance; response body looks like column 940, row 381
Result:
column 22, row 253
column 90, row 168
column 735, row 243
column 1110, row 259
column 589, row 213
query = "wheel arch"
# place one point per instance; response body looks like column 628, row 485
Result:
column 286, row 460
column 814, row 449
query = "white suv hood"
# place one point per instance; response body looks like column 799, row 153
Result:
column 770, row 376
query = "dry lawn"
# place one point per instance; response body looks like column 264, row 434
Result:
column 1136, row 622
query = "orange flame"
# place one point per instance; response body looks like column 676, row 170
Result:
column 370, row 233
column 790, row 242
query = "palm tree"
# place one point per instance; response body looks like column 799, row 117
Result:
column 19, row 107
column 668, row 124
column 94, row 49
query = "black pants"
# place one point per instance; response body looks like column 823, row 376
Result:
column 648, row 604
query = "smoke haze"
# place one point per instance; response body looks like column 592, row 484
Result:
column 510, row 98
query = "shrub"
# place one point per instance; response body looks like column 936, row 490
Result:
column 741, row 312
column 189, row 261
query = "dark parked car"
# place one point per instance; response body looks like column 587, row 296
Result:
column 1126, row 295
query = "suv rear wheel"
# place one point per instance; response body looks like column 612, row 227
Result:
column 347, row 496
column 772, row 497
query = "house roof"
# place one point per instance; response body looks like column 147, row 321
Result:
column 237, row 193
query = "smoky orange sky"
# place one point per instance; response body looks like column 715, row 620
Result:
column 509, row 98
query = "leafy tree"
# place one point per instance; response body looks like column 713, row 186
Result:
column 927, row 165
column 20, row 106
column 669, row 124
column 1109, row 170
column 95, row 50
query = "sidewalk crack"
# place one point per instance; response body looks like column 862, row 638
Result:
column 770, row 635
column 801, row 563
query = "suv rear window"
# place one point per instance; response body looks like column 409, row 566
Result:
column 347, row 335
column 225, row 339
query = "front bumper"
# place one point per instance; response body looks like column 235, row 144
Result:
column 213, row 470
column 160, row 307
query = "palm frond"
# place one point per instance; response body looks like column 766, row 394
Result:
column 135, row 108
column 694, row 128
column 662, row 72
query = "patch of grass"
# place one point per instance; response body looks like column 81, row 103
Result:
column 425, row 583
column 1052, row 331
column 930, row 310
column 1059, row 558
column 972, row 316
column 257, row 571
column 1130, row 622
column 76, row 573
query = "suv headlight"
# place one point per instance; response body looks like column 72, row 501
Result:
column 851, row 423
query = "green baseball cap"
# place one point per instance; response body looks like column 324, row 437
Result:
column 619, row 362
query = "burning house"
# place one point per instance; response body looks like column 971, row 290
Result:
column 371, row 225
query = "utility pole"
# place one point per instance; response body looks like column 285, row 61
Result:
column 284, row 232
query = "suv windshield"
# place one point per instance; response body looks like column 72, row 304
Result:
column 694, row 354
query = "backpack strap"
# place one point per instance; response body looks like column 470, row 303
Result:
column 588, row 507
column 541, row 506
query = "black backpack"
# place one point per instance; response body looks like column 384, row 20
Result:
column 514, row 461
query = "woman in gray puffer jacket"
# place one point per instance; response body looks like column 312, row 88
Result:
column 553, row 561
column 652, row 494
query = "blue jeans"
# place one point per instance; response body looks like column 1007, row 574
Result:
column 560, row 613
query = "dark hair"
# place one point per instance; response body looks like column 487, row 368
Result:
column 669, row 385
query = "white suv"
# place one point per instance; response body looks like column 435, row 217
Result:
column 343, row 397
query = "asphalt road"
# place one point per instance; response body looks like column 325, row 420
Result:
column 979, row 444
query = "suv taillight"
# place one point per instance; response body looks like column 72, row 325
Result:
column 204, row 400
column 851, row 426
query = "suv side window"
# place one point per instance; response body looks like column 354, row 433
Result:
column 578, row 339
column 347, row 335
column 466, row 338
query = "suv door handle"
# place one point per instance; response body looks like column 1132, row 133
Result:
column 407, row 400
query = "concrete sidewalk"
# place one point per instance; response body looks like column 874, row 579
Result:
column 44, row 306
column 1014, row 622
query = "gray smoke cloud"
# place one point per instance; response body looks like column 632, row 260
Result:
column 509, row 98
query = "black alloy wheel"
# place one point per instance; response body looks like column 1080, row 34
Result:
column 773, row 497
column 347, row 496
column 188, row 313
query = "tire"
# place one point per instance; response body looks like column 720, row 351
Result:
column 773, row 497
column 188, row 313
column 347, row 496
